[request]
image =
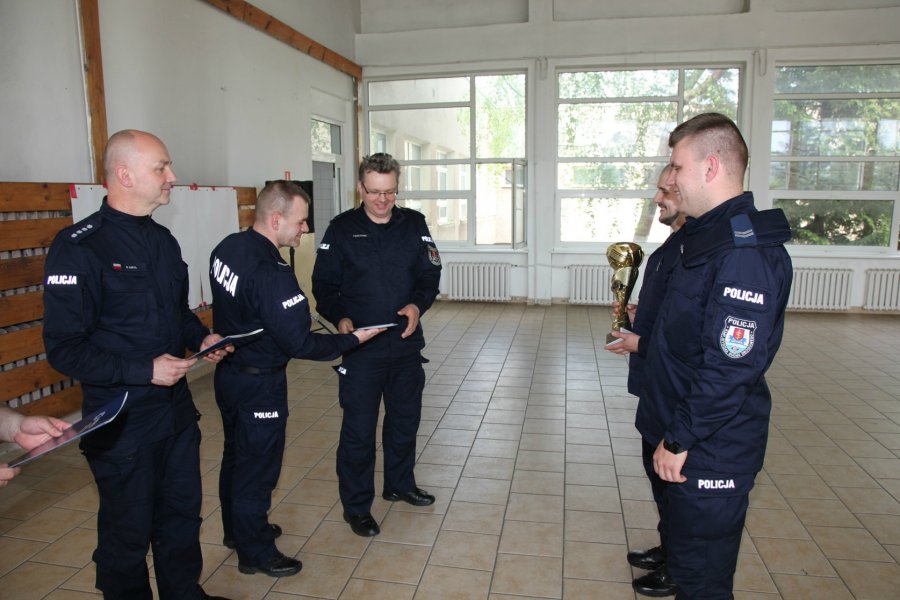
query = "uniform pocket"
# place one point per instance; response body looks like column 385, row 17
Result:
column 261, row 430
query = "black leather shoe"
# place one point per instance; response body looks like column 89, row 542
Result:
column 417, row 497
column 364, row 524
column 650, row 560
column 275, row 529
column 656, row 584
column 277, row 566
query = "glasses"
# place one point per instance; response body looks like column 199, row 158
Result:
column 388, row 195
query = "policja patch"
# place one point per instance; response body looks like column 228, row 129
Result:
column 434, row 256
column 737, row 337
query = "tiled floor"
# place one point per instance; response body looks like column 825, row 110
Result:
column 527, row 440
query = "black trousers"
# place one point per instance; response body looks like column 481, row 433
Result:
column 254, row 417
column 149, row 496
column 364, row 381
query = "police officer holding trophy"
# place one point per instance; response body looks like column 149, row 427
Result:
column 705, row 405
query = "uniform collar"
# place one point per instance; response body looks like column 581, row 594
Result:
column 116, row 216
column 264, row 242
column 732, row 206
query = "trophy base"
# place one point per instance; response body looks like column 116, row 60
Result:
column 611, row 339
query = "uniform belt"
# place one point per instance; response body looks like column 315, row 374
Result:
column 257, row 370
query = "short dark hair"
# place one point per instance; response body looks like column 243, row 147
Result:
column 716, row 134
column 277, row 197
column 380, row 162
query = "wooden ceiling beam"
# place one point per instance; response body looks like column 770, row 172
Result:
column 96, row 94
column 281, row 31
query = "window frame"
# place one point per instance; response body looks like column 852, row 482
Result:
column 775, row 194
column 743, row 94
column 468, row 167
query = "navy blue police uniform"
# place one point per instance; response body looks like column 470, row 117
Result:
column 254, row 288
column 716, row 334
column 366, row 271
column 657, row 270
column 115, row 298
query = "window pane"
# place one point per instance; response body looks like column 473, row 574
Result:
column 418, row 91
column 493, row 209
column 614, row 175
column 864, row 127
column 435, row 129
column 860, row 79
column 607, row 130
column 618, row 84
column 500, row 116
column 446, row 218
column 711, row 90
column 610, row 220
column 839, row 222
column 326, row 138
column 434, row 177
column 843, row 176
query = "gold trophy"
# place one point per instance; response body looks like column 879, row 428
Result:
column 624, row 258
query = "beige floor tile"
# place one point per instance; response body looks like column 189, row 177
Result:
column 363, row 589
column 827, row 513
column 474, row 517
column 847, row 543
column 538, row 482
column 321, row 577
column 885, row 528
column 870, row 501
column 767, row 496
column 489, row 491
column 465, row 550
column 576, row 589
column 583, row 474
column 49, row 525
column 315, row 492
column 336, row 539
column 801, row 587
column 62, row 594
column 410, row 528
column 528, row 576
column 870, row 579
column 489, row 468
column 71, row 550
column 391, row 562
column 536, row 539
column 494, row 448
column 801, row 486
column 797, row 557
column 601, row 527
column 443, row 455
column 453, row 584
column 763, row 522
column 535, row 507
column 751, row 575
column 33, row 580
column 601, row 562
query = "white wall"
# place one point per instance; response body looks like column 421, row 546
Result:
column 232, row 104
column 43, row 122
column 585, row 33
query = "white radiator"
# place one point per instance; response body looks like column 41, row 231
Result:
column 882, row 289
column 590, row 284
column 821, row 289
column 482, row 282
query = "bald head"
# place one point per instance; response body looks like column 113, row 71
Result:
column 138, row 170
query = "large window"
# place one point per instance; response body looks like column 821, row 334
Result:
column 835, row 167
column 612, row 141
column 461, row 143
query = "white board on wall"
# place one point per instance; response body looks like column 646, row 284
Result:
column 198, row 217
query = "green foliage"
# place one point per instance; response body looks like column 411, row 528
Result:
column 838, row 222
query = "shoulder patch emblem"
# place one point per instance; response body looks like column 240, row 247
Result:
column 434, row 256
column 428, row 239
column 737, row 337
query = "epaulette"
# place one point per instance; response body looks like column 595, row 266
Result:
column 745, row 230
column 81, row 230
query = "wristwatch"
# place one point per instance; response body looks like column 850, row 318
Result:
column 673, row 447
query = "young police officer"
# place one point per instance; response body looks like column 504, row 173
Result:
column 254, row 288
column 116, row 318
column 705, row 403
column 657, row 271
column 378, row 264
